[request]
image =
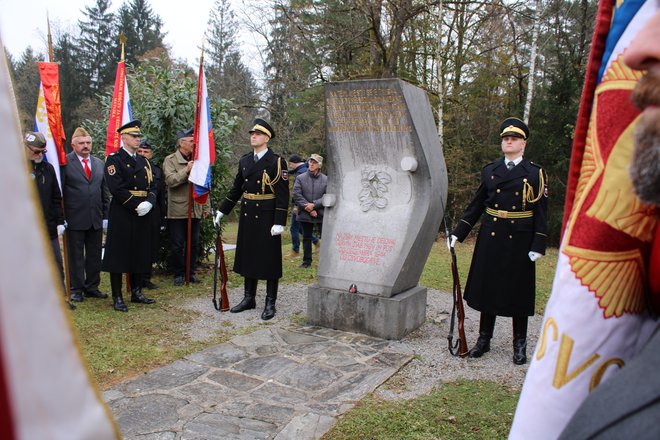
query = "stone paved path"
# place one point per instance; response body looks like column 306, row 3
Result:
column 272, row 384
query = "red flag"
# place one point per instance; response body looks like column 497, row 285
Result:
column 120, row 110
column 50, row 81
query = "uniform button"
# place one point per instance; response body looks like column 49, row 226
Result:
column 256, row 216
column 246, row 180
column 513, row 221
column 135, row 187
column 498, row 190
column 513, row 207
column 258, row 181
column 510, row 236
column 492, row 177
column 524, row 180
column 496, row 205
column 517, row 193
column 494, row 219
column 493, row 234
column 257, row 204
column 245, row 214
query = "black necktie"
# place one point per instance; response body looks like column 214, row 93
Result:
column 510, row 165
column 256, row 158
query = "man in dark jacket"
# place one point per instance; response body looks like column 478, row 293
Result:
column 48, row 189
column 308, row 190
column 297, row 167
column 261, row 186
column 128, row 245
column 512, row 198
column 86, row 201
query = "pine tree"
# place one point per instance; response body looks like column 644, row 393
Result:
column 96, row 46
column 142, row 27
column 26, row 81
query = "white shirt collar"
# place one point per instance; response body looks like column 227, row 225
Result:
column 89, row 161
column 515, row 161
column 262, row 153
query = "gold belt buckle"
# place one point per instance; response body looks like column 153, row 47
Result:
column 503, row 214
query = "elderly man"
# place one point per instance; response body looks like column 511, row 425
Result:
column 48, row 189
column 176, row 169
column 128, row 245
column 261, row 186
column 86, row 201
column 307, row 194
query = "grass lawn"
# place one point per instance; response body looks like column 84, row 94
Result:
column 118, row 346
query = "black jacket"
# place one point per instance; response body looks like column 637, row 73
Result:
column 49, row 195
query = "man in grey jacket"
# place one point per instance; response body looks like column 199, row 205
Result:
column 307, row 194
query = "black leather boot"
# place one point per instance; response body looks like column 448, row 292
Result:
column 486, row 326
column 248, row 302
column 271, row 297
column 117, row 300
column 136, row 290
column 519, row 340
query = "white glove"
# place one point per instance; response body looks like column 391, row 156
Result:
column 60, row 229
column 143, row 208
column 534, row 255
column 105, row 223
column 276, row 230
column 217, row 218
column 451, row 241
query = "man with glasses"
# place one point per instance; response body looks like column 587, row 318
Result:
column 48, row 190
column 128, row 244
column 86, row 201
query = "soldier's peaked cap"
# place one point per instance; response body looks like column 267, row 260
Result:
column 263, row 127
column 132, row 127
column 514, row 127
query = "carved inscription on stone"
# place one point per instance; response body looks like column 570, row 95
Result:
column 367, row 110
column 367, row 249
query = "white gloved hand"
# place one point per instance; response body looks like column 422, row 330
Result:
column 217, row 218
column 276, row 230
column 451, row 241
column 143, row 208
column 534, row 255
column 60, row 229
column 105, row 223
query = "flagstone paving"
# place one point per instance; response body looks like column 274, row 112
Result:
column 276, row 383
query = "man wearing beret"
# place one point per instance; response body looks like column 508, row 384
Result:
column 176, row 169
column 261, row 186
column 158, row 211
column 86, row 202
column 512, row 205
column 128, row 244
column 49, row 193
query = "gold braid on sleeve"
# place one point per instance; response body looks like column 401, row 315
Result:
column 528, row 191
column 265, row 178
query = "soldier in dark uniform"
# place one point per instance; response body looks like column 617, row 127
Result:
column 128, row 243
column 158, row 211
column 262, row 181
column 512, row 204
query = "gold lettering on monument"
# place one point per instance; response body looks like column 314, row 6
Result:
column 367, row 110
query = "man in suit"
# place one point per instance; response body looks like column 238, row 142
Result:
column 261, row 186
column 176, row 169
column 512, row 205
column 128, row 245
column 86, row 201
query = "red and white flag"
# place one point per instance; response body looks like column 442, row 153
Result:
column 200, row 175
column 596, row 319
column 48, row 117
column 45, row 390
column 120, row 110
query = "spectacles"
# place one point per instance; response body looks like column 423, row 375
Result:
column 136, row 135
column 36, row 151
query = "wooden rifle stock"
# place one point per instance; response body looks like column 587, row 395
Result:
column 457, row 311
column 220, row 263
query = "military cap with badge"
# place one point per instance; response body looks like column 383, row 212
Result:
column 264, row 127
column 514, row 127
column 132, row 128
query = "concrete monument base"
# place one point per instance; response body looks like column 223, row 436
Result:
column 387, row 318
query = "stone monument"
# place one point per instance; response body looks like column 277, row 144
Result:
column 387, row 188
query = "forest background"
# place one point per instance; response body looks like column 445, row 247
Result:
column 479, row 61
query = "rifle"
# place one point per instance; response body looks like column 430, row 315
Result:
column 220, row 264
column 457, row 307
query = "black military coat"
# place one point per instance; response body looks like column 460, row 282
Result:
column 128, row 243
column 512, row 206
column 264, row 188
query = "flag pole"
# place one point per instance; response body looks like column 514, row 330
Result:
column 190, row 185
column 65, row 247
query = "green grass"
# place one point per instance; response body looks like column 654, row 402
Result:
column 460, row 410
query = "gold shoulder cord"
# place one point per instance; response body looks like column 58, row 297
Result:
column 150, row 174
column 528, row 191
column 265, row 178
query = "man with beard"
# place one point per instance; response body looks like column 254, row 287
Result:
column 628, row 405
column 48, row 189
column 86, row 202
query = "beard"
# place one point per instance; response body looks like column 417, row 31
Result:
column 38, row 159
column 645, row 164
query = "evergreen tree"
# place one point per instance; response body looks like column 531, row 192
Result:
column 96, row 46
column 72, row 89
column 221, row 37
column 26, row 82
column 142, row 27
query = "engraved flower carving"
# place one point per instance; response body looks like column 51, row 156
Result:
column 374, row 187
